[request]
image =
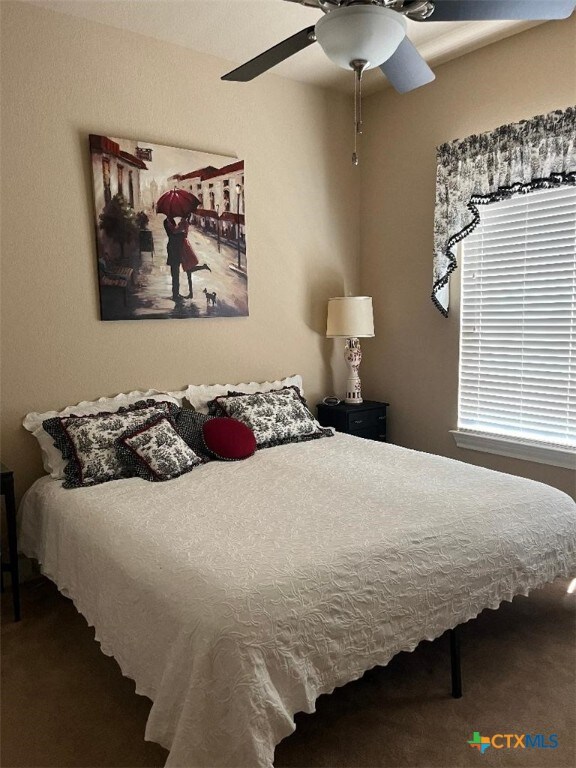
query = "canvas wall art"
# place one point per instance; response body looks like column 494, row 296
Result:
column 170, row 231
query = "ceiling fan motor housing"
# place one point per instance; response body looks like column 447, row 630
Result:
column 360, row 32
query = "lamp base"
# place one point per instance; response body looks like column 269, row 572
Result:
column 353, row 357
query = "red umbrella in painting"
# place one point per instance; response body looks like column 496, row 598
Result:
column 177, row 202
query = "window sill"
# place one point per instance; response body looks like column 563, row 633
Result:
column 529, row 450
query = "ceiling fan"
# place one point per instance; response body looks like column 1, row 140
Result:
column 364, row 34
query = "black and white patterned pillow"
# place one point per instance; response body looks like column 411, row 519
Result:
column 155, row 451
column 276, row 417
column 87, row 443
column 189, row 425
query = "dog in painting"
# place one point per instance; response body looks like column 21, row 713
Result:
column 210, row 297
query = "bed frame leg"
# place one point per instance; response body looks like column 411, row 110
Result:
column 455, row 663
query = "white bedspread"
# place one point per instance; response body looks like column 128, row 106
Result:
column 235, row 595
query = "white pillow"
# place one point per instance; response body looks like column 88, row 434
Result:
column 199, row 395
column 51, row 457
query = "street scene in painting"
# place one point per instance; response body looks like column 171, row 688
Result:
column 170, row 231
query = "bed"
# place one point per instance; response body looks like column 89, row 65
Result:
column 238, row 593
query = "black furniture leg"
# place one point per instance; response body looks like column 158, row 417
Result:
column 8, row 491
column 455, row 663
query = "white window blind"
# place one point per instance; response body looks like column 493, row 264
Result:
column 518, row 322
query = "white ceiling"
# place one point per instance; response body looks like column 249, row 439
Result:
column 237, row 30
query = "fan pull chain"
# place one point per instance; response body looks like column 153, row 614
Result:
column 358, row 65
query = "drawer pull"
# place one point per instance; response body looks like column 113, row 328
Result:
column 359, row 421
column 382, row 418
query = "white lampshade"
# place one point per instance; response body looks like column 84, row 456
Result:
column 360, row 32
column 350, row 317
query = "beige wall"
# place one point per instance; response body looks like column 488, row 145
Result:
column 413, row 361
column 63, row 78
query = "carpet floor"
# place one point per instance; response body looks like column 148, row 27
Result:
column 66, row 704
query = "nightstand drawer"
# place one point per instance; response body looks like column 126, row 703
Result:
column 371, row 433
column 367, row 420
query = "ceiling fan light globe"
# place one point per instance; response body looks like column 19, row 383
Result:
column 360, row 32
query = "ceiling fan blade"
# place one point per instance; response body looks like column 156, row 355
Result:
column 488, row 10
column 273, row 56
column 406, row 69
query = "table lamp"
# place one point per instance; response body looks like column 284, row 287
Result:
column 351, row 318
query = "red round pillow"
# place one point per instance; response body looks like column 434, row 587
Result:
column 228, row 439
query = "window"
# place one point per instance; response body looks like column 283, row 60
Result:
column 120, row 170
column 106, row 179
column 518, row 329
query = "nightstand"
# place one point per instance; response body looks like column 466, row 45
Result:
column 366, row 420
column 7, row 490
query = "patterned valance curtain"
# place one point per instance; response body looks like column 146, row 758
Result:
column 511, row 160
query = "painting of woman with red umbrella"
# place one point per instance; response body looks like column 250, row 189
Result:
column 162, row 213
column 178, row 202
